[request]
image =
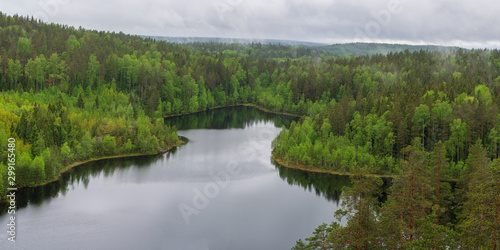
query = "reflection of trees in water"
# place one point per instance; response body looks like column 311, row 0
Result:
column 325, row 185
column 81, row 174
column 232, row 117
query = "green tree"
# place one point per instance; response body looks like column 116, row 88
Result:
column 66, row 154
column 441, row 112
column 15, row 70
column 24, row 47
column 93, row 70
column 23, row 170
column 193, row 104
column 56, row 68
column 37, row 167
column 175, row 138
column 421, row 118
column 359, row 204
column 41, row 65
column 108, row 145
column 324, row 237
column 439, row 165
column 128, row 146
column 325, row 129
column 85, row 149
column 494, row 138
column 51, row 164
column 299, row 245
column 433, row 235
column 79, row 102
column 30, row 71
column 480, row 209
column 456, row 142
column 409, row 201
column 38, row 147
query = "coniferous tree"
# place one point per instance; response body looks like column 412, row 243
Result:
column 478, row 213
column 359, row 205
column 409, row 200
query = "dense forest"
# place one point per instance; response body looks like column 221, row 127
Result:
column 56, row 124
column 422, row 117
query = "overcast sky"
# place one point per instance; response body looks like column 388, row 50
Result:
column 445, row 22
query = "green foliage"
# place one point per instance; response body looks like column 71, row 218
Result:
column 92, row 70
column 128, row 146
column 324, row 237
column 38, row 146
column 14, row 69
column 37, row 169
column 66, row 154
column 455, row 144
column 421, row 118
column 108, row 145
column 52, row 164
column 358, row 206
column 84, row 149
column 51, row 135
column 23, row 171
column 80, row 103
column 483, row 94
column 174, row 136
column 479, row 227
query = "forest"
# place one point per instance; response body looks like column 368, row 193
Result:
column 427, row 119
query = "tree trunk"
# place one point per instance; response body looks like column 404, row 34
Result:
column 496, row 223
column 412, row 195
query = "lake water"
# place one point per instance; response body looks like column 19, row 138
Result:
column 219, row 191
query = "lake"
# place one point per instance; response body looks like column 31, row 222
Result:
column 221, row 190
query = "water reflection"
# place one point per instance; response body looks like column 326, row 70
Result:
column 224, row 118
column 328, row 186
column 81, row 174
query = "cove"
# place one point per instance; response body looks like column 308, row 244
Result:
column 239, row 199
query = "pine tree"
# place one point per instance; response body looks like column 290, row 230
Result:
column 79, row 102
column 358, row 207
column 439, row 165
column 409, row 201
column 480, row 218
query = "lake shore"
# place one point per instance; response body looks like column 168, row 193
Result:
column 303, row 167
column 238, row 105
column 161, row 151
column 180, row 142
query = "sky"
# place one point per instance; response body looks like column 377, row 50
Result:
column 462, row 23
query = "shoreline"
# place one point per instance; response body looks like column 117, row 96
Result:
column 238, row 105
column 310, row 169
column 180, row 142
column 302, row 167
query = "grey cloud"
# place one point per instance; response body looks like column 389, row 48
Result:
column 447, row 22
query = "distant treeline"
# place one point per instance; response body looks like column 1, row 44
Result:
column 381, row 48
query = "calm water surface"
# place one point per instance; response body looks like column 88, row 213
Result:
column 219, row 191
